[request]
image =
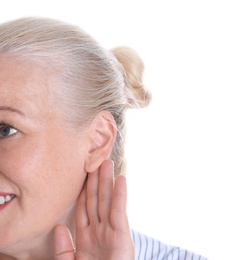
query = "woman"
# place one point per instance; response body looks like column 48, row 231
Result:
column 62, row 122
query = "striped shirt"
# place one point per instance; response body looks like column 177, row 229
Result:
column 147, row 248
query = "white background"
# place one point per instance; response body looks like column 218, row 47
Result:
column 187, row 152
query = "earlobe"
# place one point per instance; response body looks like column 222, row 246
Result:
column 102, row 134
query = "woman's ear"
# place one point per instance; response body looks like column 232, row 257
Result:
column 102, row 133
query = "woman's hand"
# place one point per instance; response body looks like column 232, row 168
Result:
column 102, row 230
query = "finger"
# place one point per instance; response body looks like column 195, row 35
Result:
column 82, row 219
column 105, row 189
column 63, row 244
column 118, row 215
column 92, row 197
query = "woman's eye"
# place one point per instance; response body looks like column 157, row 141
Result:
column 6, row 131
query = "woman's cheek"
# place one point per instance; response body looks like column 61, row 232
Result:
column 44, row 168
column 20, row 161
column 13, row 158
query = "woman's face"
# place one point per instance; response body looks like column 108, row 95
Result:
column 41, row 160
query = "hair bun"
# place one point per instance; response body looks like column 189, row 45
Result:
column 138, row 95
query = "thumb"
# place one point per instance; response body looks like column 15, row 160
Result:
column 63, row 244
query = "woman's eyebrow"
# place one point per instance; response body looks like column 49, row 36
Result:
column 12, row 110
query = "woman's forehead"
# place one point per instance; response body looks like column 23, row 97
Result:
column 23, row 84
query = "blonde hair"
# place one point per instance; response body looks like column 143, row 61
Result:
column 91, row 79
